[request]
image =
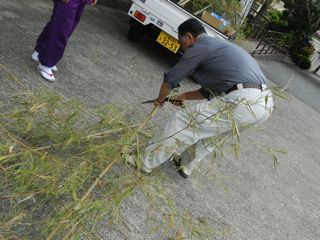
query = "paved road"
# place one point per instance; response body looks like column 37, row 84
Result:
column 246, row 199
column 303, row 85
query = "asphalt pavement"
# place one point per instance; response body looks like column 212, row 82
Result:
column 302, row 84
column 247, row 199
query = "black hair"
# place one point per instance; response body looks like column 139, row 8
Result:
column 192, row 26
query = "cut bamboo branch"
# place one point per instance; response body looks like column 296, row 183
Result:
column 99, row 179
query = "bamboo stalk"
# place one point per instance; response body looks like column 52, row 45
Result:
column 67, row 236
column 36, row 150
column 3, row 169
column 103, row 134
column 98, row 179
column 30, row 150
column 101, row 175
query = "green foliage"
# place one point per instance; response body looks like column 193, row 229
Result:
column 303, row 18
column 274, row 15
column 229, row 9
column 50, row 159
column 308, row 51
column 303, row 15
column 300, row 53
column 301, row 60
column 276, row 22
column 51, row 156
column 61, row 171
column 196, row 5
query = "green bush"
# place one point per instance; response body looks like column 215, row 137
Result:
column 308, row 51
column 276, row 21
column 303, row 61
column 274, row 16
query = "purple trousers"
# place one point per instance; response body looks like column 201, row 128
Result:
column 53, row 40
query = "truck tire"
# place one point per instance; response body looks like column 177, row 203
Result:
column 136, row 31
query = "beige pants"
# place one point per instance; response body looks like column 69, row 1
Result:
column 190, row 129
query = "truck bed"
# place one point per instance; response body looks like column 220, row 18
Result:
column 170, row 14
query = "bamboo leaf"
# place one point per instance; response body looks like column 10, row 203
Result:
column 281, row 151
column 29, row 126
column 37, row 107
column 266, row 100
column 275, row 161
column 11, row 148
column 236, row 151
column 125, row 195
column 16, row 219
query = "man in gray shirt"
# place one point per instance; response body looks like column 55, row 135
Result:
column 230, row 79
column 217, row 65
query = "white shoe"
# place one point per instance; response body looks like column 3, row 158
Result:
column 35, row 57
column 46, row 73
column 128, row 158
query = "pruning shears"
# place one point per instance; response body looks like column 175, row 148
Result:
column 167, row 99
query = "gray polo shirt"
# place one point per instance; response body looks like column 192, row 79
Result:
column 217, row 65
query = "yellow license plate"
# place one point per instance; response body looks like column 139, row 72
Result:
column 168, row 41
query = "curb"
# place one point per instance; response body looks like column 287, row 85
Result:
column 287, row 60
column 307, row 73
column 312, row 75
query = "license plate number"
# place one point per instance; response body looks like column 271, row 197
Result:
column 168, row 41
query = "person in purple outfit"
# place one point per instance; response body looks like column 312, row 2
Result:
column 52, row 41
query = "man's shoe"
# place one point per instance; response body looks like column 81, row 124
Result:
column 177, row 162
column 35, row 57
column 128, row 158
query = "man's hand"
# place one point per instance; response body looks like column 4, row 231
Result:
column 94, row 2
column 159, row 102
column 177, row 100
column 163, row 93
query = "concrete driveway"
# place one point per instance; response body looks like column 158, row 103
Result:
column 245, row 199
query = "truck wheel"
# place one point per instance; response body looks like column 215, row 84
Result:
column 136, row 31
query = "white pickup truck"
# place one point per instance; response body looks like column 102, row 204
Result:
column 165, row 16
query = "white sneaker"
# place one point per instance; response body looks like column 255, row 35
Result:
column 128, row 158
column 35, row 57
column 46, row 73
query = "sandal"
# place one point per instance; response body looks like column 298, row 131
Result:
column 35, row 57
column 46, row 73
